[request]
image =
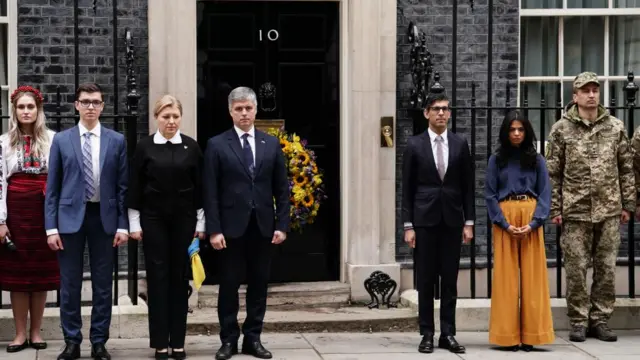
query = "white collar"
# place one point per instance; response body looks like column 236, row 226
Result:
column 95, row 131
column 433, row 135
column 159, row 139
column 240, row 132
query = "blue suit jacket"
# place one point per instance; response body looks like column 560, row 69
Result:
column 64, row 199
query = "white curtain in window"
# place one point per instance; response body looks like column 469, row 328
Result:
column 626, row 3
column 624, row 39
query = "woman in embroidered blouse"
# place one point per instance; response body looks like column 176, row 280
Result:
column 32, row 269
column 518, row 195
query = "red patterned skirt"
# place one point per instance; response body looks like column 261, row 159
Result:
column 33, row 267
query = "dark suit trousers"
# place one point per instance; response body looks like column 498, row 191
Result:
column 250, row 253
column 165, row 240
column 437, row 254
column 71, row 261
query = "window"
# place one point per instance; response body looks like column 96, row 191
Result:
column 8, row 53
column 561, row 38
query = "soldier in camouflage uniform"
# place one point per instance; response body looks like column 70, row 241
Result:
column 635, row 144
column 590, row 164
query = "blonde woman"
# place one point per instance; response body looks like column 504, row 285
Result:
column 29, row 268
column 165, row 212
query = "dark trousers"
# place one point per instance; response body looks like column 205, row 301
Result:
column 437, row 254
column 252, row 254
column 165, row 241
column 71, row 268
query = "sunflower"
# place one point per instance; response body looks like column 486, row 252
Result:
column 308, row 200
column 304, row 158
column 300, row 179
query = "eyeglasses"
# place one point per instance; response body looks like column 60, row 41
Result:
column 438, row 108
column 85, row 103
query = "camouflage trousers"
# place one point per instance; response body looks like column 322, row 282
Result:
column 584, row 244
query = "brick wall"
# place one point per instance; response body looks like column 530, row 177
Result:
column 435, row 18
column 46, row 54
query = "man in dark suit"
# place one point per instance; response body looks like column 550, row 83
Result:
column 244, row 170
column 438, row 214
column 84, row 204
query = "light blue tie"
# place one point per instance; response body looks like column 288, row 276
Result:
column 87, row 167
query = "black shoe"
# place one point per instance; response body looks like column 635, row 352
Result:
column 38, row 345
column 256, row 349
column 178, row 354
column 227, row 350
column 578, row 333
column 602, row 333
column 161, row 355
column 17, row 348
column 449, row 342
column 426, row 345
column 70, row 352
column 527, row 347
column 99, row 352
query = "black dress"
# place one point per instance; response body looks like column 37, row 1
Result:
column 166, row 187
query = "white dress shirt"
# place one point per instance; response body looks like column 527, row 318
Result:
column 445, row 153
column 134, row 215
column 251, row 139
column 95, row 164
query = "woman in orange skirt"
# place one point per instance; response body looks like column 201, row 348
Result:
column 518, row 195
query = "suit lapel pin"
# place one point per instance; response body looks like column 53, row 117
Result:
column 185, row 146
column 262, row 141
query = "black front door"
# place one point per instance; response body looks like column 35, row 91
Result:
column 292, row 48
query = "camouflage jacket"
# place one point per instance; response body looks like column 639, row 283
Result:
column 591, row 167
column 635, row 144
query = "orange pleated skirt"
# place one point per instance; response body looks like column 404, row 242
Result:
column 520, row 301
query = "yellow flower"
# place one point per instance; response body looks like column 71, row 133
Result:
column 303, row 157
column 298, row 193
column 300, row 179
column 317, row 180
column 308, row 200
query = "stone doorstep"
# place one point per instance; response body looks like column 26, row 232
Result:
column 287, row 296
column 131, row 321
column 473, row 314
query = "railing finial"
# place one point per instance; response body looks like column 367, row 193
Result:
column 133, row 96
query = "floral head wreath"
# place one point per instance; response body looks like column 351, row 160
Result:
column 26, row 88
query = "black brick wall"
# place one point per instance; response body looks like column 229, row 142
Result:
column 46, row 54
column 435, row 18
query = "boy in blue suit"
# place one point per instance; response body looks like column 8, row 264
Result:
column 84, row 203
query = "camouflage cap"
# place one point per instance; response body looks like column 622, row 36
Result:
column 584, row 78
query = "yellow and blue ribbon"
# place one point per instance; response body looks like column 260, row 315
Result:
column 196, row 263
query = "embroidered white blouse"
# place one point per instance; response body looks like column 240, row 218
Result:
column 13, row 161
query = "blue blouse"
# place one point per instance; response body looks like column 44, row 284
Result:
column 513, row 180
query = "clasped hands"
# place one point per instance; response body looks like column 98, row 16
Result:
column 519, row 232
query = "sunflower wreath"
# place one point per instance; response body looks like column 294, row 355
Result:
column 306, row 187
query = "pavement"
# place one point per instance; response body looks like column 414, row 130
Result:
column 370, row 346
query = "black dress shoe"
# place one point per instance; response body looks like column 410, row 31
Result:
column 161, row 355
column 178, row 354
column 38, row 345
column 227, row 350
column 99, row 352
column 256, row 349
column 426, row 345
column 449, row 342
column 527, row 347
column 17, row 348
column 70, row 352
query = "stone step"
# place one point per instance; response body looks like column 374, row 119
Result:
column 319, row 319
column 287, row 296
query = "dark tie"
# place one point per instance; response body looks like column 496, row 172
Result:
column 247, row 153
